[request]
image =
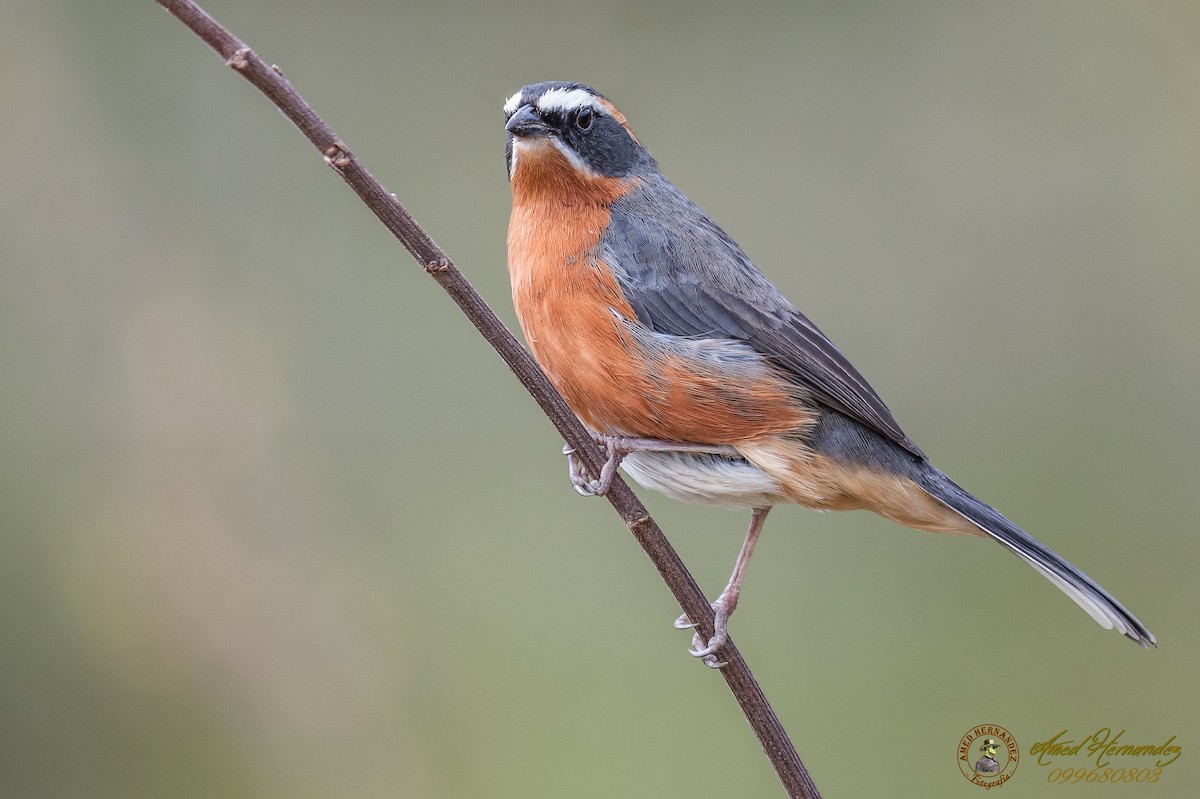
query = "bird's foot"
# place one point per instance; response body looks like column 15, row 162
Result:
column 707, row 650
column 582, row 481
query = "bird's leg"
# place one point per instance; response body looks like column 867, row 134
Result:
column 727, row 602
column 617, row 447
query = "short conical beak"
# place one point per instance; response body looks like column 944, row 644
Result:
column 526, row 122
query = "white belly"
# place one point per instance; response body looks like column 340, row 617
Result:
column 704, row 479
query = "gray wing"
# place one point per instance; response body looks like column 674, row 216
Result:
column 684, row 276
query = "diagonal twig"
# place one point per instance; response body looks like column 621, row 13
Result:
column 270, row 81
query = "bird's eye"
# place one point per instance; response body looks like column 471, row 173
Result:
column 583, row 120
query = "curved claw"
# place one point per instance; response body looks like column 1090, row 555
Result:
column 714, row 643
column 720, row 631
column 581, row 481
column 706, row 650
column 708, row 659
column 683, row 623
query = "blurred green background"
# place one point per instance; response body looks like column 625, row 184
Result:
column 277, row 523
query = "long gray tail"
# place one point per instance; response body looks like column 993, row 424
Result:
column 1099, row 604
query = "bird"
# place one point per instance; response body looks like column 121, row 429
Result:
column 701, row 380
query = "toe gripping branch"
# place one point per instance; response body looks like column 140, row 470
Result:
column 582, row 481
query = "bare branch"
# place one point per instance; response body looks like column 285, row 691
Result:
column 270, row 81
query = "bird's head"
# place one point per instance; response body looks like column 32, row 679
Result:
column 559, row 131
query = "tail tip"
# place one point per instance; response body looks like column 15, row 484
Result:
column 1143, row 638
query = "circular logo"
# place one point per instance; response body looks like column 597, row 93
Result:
column 988, row 755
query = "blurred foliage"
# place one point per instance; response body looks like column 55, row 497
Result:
column 277, row 523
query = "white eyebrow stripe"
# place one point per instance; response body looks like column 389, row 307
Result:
column 512, row 104
column 566, row 100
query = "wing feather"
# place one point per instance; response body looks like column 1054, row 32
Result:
column 684, row 276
